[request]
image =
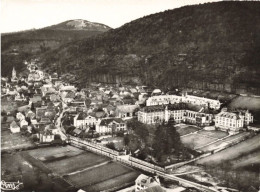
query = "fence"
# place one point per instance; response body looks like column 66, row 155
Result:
column 93, row 146
column 144, row 163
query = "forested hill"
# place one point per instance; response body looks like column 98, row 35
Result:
column 19, row 46
column 213, row 46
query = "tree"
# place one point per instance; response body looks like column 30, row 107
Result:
column 111, row 146
column 32, row 107
column 167, row 140
column 126, row 140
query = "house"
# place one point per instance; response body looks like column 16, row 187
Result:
column 77, row 132
column 83, row 120
column 14, row 127
column 30, row 114
column 110, row 125
column 46, row 136
column 20, row 116
column 126, row 111
column 40, row 112
column 23, row 123
column 69, row 97
column 144, row 182
column 36, row 100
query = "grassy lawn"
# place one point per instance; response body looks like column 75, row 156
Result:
column 233, row 152
column 215, row 134
column 196, row 140
column 244, row 102
column 75, row 163
column 44, row 153
column 224, row 142
column 187, row 130
column 98, row 174
column 114, row 183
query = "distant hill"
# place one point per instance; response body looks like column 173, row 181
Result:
column 213, row 46
column 17, row 46
column 80, row 24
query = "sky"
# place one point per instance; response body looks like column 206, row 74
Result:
column 17, row 15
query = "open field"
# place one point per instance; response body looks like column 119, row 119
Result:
column 224, row 142
column 68, row 164
column 246, row 102
column 98, row 174
column 116, row 182
column 251, row 161
column 194, row 141
column 14, row 167
column 46, row 152
column 215, row 134
column 85, row 169
column 233, row 152
column 184, row 130
column 10, row 141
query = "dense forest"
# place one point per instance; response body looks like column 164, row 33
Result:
column 213, row 46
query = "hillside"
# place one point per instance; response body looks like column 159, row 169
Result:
column 19, row 46
column 214, row 46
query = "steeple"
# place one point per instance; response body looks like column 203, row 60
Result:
column 13, row 73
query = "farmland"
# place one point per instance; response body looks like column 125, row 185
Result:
column 84, row 169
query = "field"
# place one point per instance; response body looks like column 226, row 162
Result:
column 194, row 141
column 99, row 174
column 184, row 130
column 224, row 142
column 215, row 134
column 245, row 102
column 14, row 167
column 84, row 169
column 231, row 153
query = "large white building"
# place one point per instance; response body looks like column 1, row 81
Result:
column 179, row 112
column 232, row 121
column 171, row 99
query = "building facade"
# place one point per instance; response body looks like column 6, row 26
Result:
column 233, row 121
column 194, row 100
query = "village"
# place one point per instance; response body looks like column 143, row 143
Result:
column 49, row 111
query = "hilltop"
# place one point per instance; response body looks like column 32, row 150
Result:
column 213, row 46
column 19, row 46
